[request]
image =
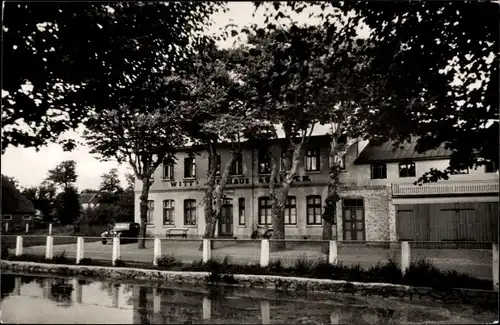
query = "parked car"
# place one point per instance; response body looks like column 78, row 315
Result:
column 126, row 231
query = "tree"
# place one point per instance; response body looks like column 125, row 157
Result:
column 440, row 74
column 14, row 181
column 127, row 200
column 110, row 188
column 215, row 114
column 281, row 76
column 68, row 206
column 65, row 46
column 141, row 130
column 63, row 174
column 43, row 198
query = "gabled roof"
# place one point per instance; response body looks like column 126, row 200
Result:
column 385, row 152
column 86, row 198
column 13, row 201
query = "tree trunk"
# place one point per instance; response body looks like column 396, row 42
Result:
column 146, row 183
column 213, row 194
column 330, row 214
column 278, row 218
column 279, row 201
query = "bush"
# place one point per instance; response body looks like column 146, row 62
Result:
column 86, row 261
column 303, row 266
column 167, row 261
column 385, row 272
column 59, row 258
column 119, row 262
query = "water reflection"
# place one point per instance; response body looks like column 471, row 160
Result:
column 63, row 300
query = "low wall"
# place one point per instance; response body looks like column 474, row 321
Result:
column 278, row 283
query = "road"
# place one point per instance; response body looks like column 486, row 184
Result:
column 474, row 262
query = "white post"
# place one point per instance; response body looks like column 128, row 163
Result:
column 27, row 227
column 265, row 312
column 17, row 285
column 47, row 286
column 6, row 227
column 19, row 245
column 494, row 251
column 50, row 229
column 116, row 295
column 78, row 291
column 207, row 308
column 264, row 252
column 79, row 249
column 49, row 248
column 156, row 251
column 333, row 252
column 405, row 256
column 156, row 301
column 207, row 252
column 116, row 249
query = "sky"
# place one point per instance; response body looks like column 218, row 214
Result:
column 30, row 167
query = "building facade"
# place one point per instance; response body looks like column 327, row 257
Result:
column 377, row 194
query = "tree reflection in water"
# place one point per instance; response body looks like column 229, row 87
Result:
column 7, row 285
column 143, row 306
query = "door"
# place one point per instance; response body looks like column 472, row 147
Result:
column 353, row 217
column 226, row 218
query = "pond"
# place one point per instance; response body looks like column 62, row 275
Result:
column 44, row 300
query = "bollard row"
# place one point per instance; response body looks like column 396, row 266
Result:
column 264, row 253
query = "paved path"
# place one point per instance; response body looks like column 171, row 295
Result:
column 473, row 262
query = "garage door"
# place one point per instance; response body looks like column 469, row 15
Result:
column 444, row 222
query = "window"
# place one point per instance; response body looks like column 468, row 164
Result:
column 407, row 169
column 490, row 167
column 342, row 163
column 190, row 212
column 190, row 167
column 461, row 172
column 237, row 166
column 168, row 212
column 217, row 169
column 314, row 210
column 151, row 212
column 291, row 211
column 284, row 155
column 264, row 162
column 352, row 203
column 378, row 171
column 265, row 211
column 168, row 169
column 241, row 211
column 27, row 217
column 7, row 217
column 312, row 160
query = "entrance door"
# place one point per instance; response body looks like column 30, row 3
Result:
column 353, row 218
column 226, row 218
